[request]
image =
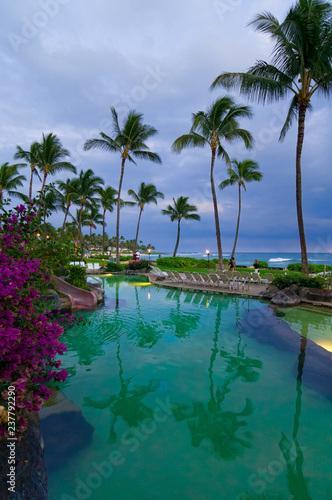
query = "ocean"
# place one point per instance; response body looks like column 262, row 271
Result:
column 274, row 259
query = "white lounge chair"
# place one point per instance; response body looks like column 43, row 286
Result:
column 82, row 264
column 90, row 265
column 96, row 265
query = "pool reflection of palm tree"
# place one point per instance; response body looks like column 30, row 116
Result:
column 146, row 334
column 211, row 423
column 183, row 324
column 297, row 483
column 127, row 403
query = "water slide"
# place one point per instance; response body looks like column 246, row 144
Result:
column 80, row 299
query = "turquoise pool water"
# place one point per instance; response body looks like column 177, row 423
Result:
column 193, row 396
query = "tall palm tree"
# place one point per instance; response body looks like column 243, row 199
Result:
column 49, row 202
column 147, row 193
column 88, row 186
column 130, row 142
column 31, row 157
column 242, row 172
column 219, row 123
column 68, row 193
column 181, row 210
column 108, row 200
column 50, row 157
column 301, row 66
column 10, row 179
column 95, row 217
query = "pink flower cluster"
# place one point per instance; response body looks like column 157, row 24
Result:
column 28, row 338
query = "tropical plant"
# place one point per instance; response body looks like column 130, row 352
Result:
column 181, row 210
column 68, row 193
column 130, row 142
column 108, row 199
column 219, row 123
column 95, row 217
column 301, row 66
column 147, row 193
column 31, row 157
column 10, row 179
column 50, row 158
column 241, row 172
column 88, row 186
column 49, row 202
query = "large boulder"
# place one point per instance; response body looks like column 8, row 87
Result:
column 316, row 295
column 270, row 292
column 287, row 297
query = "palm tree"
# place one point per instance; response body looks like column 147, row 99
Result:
column 50, row 157
column 10, row 179
column 88, row 186
column 108, row 199
column 219, row 123
column 95, row 217
column 243, row 171
column 147, row 193
column 130, row 142
column 181, row 210
column 80, row 219
column 68, row 193
column 31, row 157
column 301, row 66
column 49, row 202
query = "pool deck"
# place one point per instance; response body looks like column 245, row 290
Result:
column 253, row 291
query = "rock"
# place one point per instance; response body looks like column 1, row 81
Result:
column 270, row 292
column 30, row 468
column 315, row 294
column 286, row 297
column 98, row 291
column 64, row 303
column 64, row 428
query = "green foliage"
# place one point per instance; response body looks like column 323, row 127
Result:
column 179, row 262
column 286, row 280
column 113, row 267
column 313, row 268
column 139, row 264
column 77, row 277
column 262, row 264
column 125, row 258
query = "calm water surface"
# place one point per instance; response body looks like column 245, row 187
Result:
column 188, row 402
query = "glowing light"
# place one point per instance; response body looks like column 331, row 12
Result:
column 149, row 296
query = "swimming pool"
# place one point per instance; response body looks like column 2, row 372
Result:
column 193, row 396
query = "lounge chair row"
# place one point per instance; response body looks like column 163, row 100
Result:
column 227, row 279
column 90, row 265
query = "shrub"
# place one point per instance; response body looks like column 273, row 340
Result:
column 113, row 267
column 125, row 258
column 77, row 277
column 28, row 338
column 139, row 264
column 286, row 280
column 313, row 268
column 181, row 262
column 262, row 264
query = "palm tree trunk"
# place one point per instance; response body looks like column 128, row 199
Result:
column 118, row 212
column 64, row 222
column 300, row 137
column 30, row 185
column 104, row 231
column 177, row 240
column 216, row 215
column 138, row 223
column 41, row 193
column 238, row 223
column 79, row 236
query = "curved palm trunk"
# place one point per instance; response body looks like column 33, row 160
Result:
column 41, row 192
column 238, row 223
column 104, row 213
column 79, row 236
column 138, row 223
column 30, row 185
column 216, row 215
column 118, row 212
column 64, row 222
column 300, row 137
column 177, row 240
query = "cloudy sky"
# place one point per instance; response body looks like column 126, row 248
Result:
column 65, row 62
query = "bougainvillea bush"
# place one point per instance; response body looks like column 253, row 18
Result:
column 29, row 339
